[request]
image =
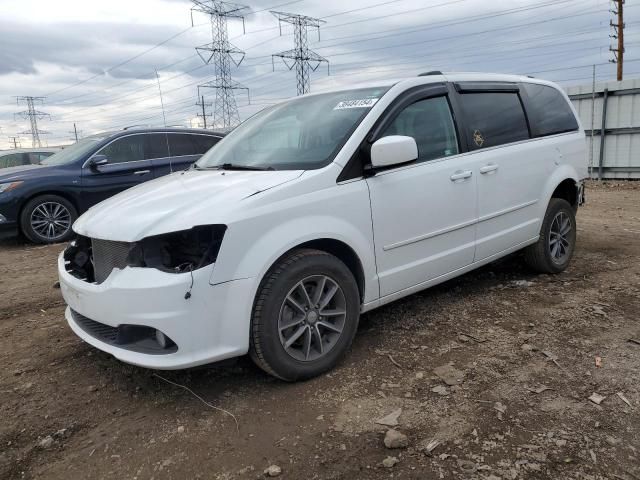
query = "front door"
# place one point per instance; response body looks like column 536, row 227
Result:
column 424, row 214
column 126, row 168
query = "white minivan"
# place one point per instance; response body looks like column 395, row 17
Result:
column 323, row 207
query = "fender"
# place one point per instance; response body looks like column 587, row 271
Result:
column 563, row 172
column 274, row 243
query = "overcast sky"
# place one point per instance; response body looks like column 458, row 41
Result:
column 95, row 61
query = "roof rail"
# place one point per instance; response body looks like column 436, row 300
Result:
column 432, row 72
column 129, row 127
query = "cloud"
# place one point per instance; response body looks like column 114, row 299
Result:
column 74, row 51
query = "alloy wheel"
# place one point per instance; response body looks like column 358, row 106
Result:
column 559, row 243
column 50, row 220
column 312, row 317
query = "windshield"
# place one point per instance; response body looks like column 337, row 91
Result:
column 73, row 152
column 301, row 134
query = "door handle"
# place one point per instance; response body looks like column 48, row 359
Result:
column 489, row 168
column 141, row 172
column 461, row 175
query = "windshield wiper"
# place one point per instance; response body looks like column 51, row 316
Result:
column 233, row 166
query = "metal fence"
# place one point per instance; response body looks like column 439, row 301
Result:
column 610, row 114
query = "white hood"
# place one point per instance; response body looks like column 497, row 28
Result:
column 176, row 202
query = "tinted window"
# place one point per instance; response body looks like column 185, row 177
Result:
column 182, row 144
column 36, row 157
column 550, row 112
column 204, row 142
column 14, row 160
column 125, row 149
column 156, row 145
column 494, row 119
column 430, row 123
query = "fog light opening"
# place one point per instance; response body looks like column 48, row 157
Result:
column 162, row 339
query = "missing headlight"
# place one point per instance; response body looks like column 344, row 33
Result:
column 179, row 252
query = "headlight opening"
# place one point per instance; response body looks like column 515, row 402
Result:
column 179, row 252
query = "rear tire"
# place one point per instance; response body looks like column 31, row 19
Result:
column 554, row 249
column 305, row 315
column 48, row 219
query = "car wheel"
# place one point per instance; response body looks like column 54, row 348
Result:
column 554, row 249
column 305, row 315
column 48, row 219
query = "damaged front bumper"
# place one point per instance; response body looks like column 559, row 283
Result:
column 143, row 316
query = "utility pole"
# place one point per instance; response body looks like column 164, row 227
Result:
column 33, row 115
column 305, row 61
column 204, row 113
column 16, row 142
column 75, row 132
column 618, row 34
column 164, row 118
column 222, row 54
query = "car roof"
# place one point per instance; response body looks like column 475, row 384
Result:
column 135, row 129
column 435, row 77
column 27, row 150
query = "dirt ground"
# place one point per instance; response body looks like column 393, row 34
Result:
column 69, row 411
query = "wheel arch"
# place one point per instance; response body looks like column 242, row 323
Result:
column 563, row 183
column 567, row 189
column 341, row 251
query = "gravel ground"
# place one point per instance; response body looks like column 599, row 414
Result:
column 488, row 376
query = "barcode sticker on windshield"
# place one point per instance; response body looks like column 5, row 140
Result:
column 363, row 103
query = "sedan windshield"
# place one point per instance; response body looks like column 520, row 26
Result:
column 74, row 152
column 302, row 134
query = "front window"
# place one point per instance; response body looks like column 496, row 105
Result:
column 302, row 134
column 125, row 149
column 74, row 152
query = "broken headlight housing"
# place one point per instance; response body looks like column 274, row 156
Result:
column 93, row 260
column 178, row 252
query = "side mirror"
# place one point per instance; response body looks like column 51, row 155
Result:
column 97, row 161
column 393, row 150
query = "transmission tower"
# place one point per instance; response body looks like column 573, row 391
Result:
column 203, row 114
column 618, row 34
column 33, row 115
column 222, row 54
column 305, row 61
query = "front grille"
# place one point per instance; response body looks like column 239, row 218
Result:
column 108, row 255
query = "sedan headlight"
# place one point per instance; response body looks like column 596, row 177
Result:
column 7, row 187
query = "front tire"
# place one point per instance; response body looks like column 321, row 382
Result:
column 554, row 249
column 48, row 219
column 305, row 315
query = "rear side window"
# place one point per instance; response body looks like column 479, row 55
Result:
column 181, row 144
column 549, row 111
column 204, row 143
column 494, row 118
column 156, row 146
column 430, row 123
